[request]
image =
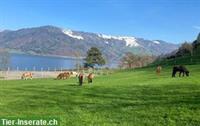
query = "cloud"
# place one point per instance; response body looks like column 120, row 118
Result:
column 196, row 27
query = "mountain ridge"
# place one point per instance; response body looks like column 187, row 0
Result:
column 52, row 40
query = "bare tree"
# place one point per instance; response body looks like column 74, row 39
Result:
column 130, row 60
column 186, row 48
column 127, row 60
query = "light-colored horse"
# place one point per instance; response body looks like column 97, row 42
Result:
column 158, row 70
column 27, row 75
column 90, row 77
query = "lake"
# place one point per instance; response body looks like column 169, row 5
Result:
column 33, row 62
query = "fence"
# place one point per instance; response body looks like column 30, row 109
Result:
column 184, row 60
column 10, row 75
column 14, row 74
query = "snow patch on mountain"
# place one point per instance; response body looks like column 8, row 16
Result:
column 156, row 42
column 106, row 42
column 130, row 41
column 71, row 34
column 108, row 36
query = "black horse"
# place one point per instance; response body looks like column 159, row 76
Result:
column 181, row 69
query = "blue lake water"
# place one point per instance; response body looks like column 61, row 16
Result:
column 32, row 62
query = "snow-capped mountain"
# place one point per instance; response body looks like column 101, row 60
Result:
column 51, row 40
column 130, row 41
column 71, row 34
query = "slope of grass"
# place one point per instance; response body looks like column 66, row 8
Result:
column 132, row 97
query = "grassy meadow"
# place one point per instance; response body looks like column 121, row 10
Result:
column 125, row 98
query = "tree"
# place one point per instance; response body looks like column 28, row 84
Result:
column 198, row 38
column 186, row 48
column 196, row 43
column 130, row 60
column 94, row 57
column 4, row 59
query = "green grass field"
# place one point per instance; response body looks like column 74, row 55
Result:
column 124, row 98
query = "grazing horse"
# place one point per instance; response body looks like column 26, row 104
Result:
column 158, row 70
column 27, row 75
column 64, row 75
column 74, row 74
column 181, row 69
column 60, row 76
column 90, row 77
column 80, row 78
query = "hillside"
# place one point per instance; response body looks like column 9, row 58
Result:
column 51, row 40
column 182, row 55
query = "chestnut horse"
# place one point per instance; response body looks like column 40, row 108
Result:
column 90, row 77
column 64, row 75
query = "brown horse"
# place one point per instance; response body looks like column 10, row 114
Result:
column 90, row 77
column 80, row 78
column 64, row 75
column 158, row 70
column 27, row 75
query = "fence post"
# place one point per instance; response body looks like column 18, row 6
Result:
column 7, row 72
column 42, row 72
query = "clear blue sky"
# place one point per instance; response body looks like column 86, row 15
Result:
column 170, row 20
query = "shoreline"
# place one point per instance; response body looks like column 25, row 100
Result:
column 53, row 56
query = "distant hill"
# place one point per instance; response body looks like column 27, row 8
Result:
column 51, row 40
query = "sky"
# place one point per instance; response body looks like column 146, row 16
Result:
column 173, row 21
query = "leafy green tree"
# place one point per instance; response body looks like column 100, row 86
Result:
column 94, row 57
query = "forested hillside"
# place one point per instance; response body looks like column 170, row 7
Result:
column 188, row 53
